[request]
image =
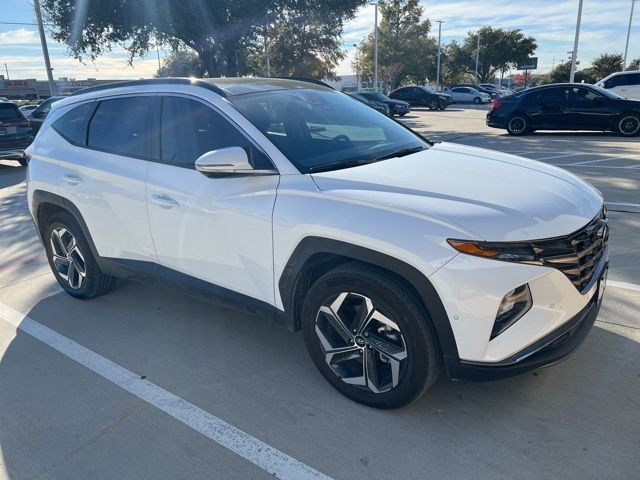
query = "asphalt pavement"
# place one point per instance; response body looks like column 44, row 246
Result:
column 145, row 383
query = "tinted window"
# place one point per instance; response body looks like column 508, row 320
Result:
column 548, row 96
column 10, row 113
column 190, row 128
column 121, row 126
column 317, row 128
column 582, row 96
column 69, row 124
column 618, row 81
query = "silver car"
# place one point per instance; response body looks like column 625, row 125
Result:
column 468, row 95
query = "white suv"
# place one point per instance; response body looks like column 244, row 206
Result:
column 626, row 84
column 396, row 256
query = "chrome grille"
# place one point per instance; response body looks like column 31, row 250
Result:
column 577, row 255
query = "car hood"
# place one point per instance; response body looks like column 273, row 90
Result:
column 478, row 193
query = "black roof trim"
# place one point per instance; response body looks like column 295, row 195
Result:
column 154, row 81
column 307, row 80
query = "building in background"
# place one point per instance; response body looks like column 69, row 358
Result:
column 32, row 89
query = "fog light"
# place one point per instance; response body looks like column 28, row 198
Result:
column 513, row 306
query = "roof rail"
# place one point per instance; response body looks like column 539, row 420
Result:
column 308, row 80
column 153, row 81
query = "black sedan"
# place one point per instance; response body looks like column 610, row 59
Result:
column 37, row 116
column 380, row 106
column 422, row 97
column 16, row 133
column 397, row 107
column 565, row 107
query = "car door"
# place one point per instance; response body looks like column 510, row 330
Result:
column 619, row 84
column 217, row 229
column 103, row 174
column 545, row 107
column 586, row 109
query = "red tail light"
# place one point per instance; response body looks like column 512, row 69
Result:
column 495, row 104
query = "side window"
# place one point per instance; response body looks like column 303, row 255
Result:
column 582, row 96
column 68, row 125
column 618, row 81
column 634, row 79
column 121, row 126
column 550, row 96
column 190, row 128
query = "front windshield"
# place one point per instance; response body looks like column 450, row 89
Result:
column 606, row 93
column 324, row 129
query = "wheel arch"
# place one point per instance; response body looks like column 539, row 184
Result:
column 47, row 204
column 315, row 256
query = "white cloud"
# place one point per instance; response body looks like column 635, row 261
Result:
column 19, row 36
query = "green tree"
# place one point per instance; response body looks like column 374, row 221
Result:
column 219, row 31
column 405, row 50
column 562, row 73
column 499, row 49
column 181, row 62
column 606, row 64
column 634, row 65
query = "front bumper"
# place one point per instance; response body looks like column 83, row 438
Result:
column 549, row 350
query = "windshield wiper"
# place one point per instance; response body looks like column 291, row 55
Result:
column 401, row 153
column 339, row 165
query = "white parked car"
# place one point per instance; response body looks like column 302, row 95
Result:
column 626, row 84
column 398, row 258
column 468, row 95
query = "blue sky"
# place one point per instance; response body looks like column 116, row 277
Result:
column 552, row 22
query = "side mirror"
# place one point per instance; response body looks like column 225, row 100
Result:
column 228, row 161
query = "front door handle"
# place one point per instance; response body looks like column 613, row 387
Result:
column 71, row 179
column 164, row 200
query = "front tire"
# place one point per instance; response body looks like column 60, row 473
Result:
column 518, row 125
column 71, row 260
column 628, row 125
column 477, row 101
column 369, row 337
column 433, row 105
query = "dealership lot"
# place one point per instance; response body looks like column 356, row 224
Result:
column 137, row 384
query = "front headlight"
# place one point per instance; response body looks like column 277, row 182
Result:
column 507, row 252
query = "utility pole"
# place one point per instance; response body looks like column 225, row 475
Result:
column 158, row 54
column 7, row 70
column 440, row 22
column 45, row 50
column 266, row 47
column 626, row 48
column 574, row 54
column 375, row 61
column 478, row 55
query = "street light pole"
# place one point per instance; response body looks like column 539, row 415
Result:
column 574, row 54
column 7, row 70
column 478, row 55
column 626, row 48
column 440, row 22
column 375, row 62
column 266, row 47
column 45, row 50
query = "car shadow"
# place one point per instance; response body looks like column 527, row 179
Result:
column 575, row 415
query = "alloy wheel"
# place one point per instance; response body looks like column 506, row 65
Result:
column 629, row 125
column 517, row 125
column 361, row 344
column 68, row 260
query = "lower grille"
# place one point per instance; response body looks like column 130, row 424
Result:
column 577, row 255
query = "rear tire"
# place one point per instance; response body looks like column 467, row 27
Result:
column 71, row 260
column 354, row 313
column 628, row 125
column 518, row 125
column 477, row 101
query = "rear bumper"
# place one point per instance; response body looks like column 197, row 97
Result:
column 496, row 122
column 553, row 348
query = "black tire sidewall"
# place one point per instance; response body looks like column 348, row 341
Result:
column 92, row 283
column 619, row 121
column 526, row 128
column 477, row 101
column 421, row 349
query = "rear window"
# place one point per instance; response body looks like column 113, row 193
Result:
column 69, row 124
column 122, row 126
column 10, row 113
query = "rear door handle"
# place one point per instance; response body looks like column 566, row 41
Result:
column 71, row 179
column 163, row 200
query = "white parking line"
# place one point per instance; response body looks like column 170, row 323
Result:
column 273, row 461
column 624, row 285
column 622, row 204
column 601, row 160
column 560, row 156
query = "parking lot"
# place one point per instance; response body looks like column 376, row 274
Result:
column 149, row 384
